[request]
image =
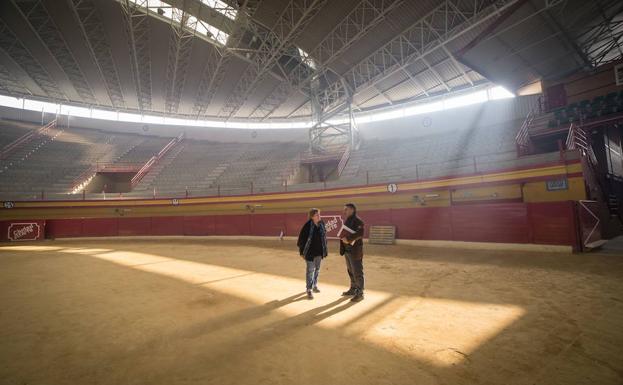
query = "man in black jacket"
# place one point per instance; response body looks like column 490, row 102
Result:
column 351, row 247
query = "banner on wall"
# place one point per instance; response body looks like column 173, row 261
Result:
column 22, row 231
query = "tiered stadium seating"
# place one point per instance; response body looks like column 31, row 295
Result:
column 195, row 168
column 432, row 156
column 11, row 131
column 208, row 167
column 148, row 147
column 264, row 165
column 54, row 161
column 587, row 109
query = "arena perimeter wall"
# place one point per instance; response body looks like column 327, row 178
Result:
column 521, row 205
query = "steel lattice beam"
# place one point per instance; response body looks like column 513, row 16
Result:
column 40, row 21
column 600, row 40
column 413, row 77
column 10, row 84
column 235, row 29
column 216, row 65
column 363, row 17
column 445, row 23
column 14, row 48
column 87, row 16
column 137, row 27
column 274, row 44
column 180, row 47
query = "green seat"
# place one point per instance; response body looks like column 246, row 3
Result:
column 583, row 107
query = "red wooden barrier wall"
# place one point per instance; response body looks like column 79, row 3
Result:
column 541, row 223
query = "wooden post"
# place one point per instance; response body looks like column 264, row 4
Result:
column 285, row 184
column 367, row 178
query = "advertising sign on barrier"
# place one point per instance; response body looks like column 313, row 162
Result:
column 22, row 230
column 333, row 224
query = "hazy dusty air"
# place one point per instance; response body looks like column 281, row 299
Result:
column 174, row 177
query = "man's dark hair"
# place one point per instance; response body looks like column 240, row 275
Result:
column 352, row 206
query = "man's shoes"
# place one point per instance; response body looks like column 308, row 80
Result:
column 315, row 290
column 310, row 295
column 357, row 298
column 350, row 291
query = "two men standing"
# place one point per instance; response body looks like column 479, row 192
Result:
column 312, row 243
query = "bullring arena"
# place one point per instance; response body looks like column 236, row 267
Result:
column 223, row 311
column 162, row 164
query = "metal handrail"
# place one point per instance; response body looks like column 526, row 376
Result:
column 154, row 159
column 25, row 138
column 523, row 135
column 343, row 161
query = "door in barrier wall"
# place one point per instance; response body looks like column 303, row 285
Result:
column 590, row 224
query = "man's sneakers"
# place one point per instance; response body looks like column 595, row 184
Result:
column 351, row 291
column 358, row 297
column 310, row 295
column 315, row 290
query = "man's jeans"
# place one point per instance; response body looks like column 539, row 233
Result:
column 355, row 271
column 312, row 271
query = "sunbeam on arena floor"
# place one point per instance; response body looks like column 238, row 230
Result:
column 234, row 312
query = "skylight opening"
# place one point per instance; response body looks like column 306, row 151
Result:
column 499, row 92
column 36, row 105
column 103, row 114
column 176, row 15
column 222, row 8
column 305, row 58
column 466, row 100
column 493, row 93
column 213, row 33
column 73, row 111
column 12, row 102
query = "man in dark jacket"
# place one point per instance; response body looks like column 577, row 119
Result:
column 351, row 247
column 312, row 245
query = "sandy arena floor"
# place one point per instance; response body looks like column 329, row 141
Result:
column 198, row 311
